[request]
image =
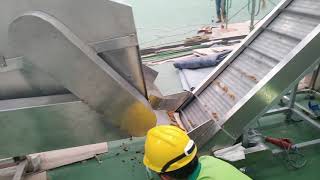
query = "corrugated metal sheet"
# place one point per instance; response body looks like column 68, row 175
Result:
column 194, row 115
column 256, row 64
column 294, row 25
column 308, row 7
column 273, row 45
column 253, row 64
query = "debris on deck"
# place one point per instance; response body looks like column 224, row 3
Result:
column 204, row 48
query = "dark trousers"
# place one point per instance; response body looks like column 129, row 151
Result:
column 220, row 5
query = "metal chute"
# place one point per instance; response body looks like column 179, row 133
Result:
column 75, row 65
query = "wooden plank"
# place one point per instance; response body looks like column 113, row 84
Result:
column 58, row 158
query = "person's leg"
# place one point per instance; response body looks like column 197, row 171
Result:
column 223, row 7
column 218, row 9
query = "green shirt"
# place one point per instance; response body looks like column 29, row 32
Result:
column 211, row 168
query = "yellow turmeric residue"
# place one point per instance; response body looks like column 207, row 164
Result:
column 251, row 77
column 216, row 83
column 191, row 123
column 225, row 89
column 232, row 96
column 215, row 115
column 171, row 116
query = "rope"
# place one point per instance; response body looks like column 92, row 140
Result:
column 259, row 8
column 238, row 12
column 264, row 15
column 230, row 4
column 294, row 158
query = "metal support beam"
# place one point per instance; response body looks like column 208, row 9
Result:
column 272, row 112
column 308, row 143
column 225, row 15
column 293, row 97
column 314, row 78
column 299, row 106
column 253, row 14
column 306, row 118
column 32, row 102
column 20, row 170
column 314, row 92
column 116, row 43
column 300, row 145
column 277, row 111
column 292, row 100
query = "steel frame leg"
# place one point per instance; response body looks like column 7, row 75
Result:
column 301, row 107
column 314, row 78
column 292, row 100
column 253, row 13
column 297, row 112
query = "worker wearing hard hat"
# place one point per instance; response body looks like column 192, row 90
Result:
column 172, row 154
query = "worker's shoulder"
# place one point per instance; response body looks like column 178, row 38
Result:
column 212, row 161
column 208, row 158
column 205, row 157
column 215, row 168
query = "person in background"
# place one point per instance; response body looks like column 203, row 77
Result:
column 172, row 155
column 220, row 10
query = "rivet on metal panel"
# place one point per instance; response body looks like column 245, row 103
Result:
column 3, row 62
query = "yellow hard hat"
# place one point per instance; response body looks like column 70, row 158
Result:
column 168, row 148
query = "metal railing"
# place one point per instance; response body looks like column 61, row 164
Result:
column 253, row 7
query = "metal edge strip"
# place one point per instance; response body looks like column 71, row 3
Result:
column 116, row 43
